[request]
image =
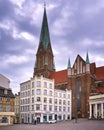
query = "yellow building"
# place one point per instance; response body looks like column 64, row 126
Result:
column 6, row 106
column 17, row 107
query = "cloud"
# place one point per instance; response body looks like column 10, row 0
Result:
column 75, row 28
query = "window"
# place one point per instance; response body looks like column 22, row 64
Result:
column 50, row 93
column 38, row 99
column 50, row 100
column 64, row 96
column 68, row 102
column 45, row 100
column 50, row 107
column 55, row 94
column 68, row 109
column 64, row 102
column 69, row 96
column 55, row 108
column 38, row 83
column 7, row 108
column 45, row 107
column 0, row 99
column 37, row 107
column 28, row 93
column 38, row 91
column 50, row 85
column 32, row 107
column 32, row 84
column 45, row 84
column 55, row 101
column 32, row 100
column 59, row 108
column 1, row 108
column 32, row 92
column 28, row 100
column 60, row 95
column 45, row 92
column 64, row 108
column 60, row 101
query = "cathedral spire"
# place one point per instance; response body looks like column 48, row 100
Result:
column 44, row 36
column 44, row 64
column 87, row 59
column 69, row 64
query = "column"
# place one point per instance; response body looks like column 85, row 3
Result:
column 30, row 121
column 95, row 111
column 41, row 118
column 90, row 111
column 53, row 117
column 47, row 117
column 8, row 120
column 102, row 116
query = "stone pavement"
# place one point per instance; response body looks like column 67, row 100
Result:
column 82, row 124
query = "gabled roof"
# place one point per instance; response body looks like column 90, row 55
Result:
column 100, row 73
column 78, row 56
column 9, row 93
column 59, row 76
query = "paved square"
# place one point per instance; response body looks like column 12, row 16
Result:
column 82, row 124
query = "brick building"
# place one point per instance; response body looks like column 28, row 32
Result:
column 83, row 78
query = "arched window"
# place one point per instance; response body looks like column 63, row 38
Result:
column 78, row 93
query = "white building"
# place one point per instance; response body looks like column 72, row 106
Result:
column 41, row 102
column 4, row 81
column 96, row 104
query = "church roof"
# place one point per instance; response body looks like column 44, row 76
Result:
column 100, row 89
column 44, row 36
column 100, row 73
column 59, row 76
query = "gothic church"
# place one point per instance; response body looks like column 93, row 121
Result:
column 83, row 78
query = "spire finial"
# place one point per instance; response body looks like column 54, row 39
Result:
column 87, row 58
column 69, row 64
column 44, row 4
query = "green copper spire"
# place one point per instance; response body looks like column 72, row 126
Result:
column 44, row 36
column 69, row 64
column 87, row 59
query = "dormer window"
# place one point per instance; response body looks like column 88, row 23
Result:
column 5, row 91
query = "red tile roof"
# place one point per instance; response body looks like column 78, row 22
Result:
column 100, row 89
column 59, row 76
column 100, row 73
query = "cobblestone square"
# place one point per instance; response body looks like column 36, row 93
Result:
column 82, row 124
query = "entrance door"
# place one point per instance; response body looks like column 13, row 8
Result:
column 38, row 120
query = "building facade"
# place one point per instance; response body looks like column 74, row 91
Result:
column 4, row 81
column 96, row 106
column 17, row 108
column 80, row 78
column 40, row 101
column 6, row 106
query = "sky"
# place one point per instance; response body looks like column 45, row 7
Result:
column 75, row 26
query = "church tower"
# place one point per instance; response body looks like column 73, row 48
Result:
column 44, row 63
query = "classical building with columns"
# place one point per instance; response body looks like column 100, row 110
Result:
column 40, row 101
column 96, row 104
